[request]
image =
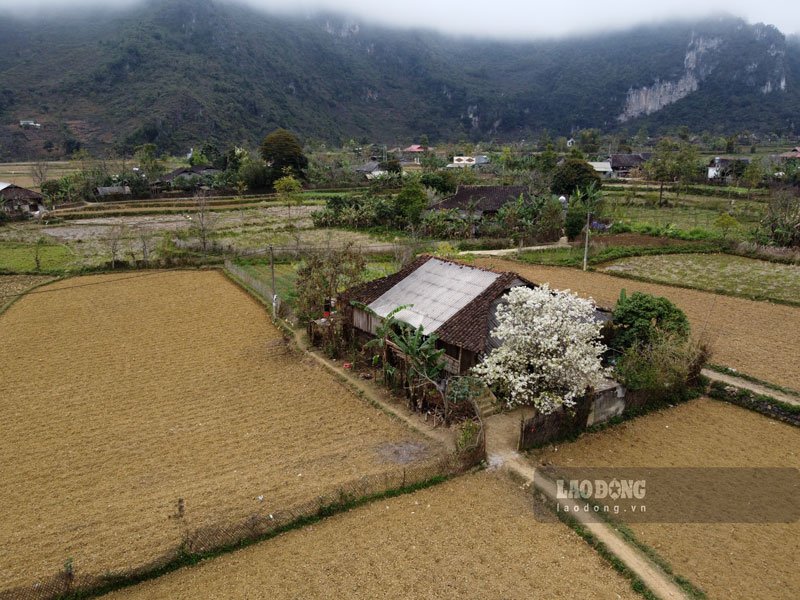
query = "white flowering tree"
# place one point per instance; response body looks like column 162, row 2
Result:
column 550, row 352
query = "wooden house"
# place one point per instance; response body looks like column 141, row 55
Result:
column 16, row 201
column 456, row 302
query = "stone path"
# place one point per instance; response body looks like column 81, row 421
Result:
column 753, row 387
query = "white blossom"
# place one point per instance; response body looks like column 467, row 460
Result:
column 550, row 351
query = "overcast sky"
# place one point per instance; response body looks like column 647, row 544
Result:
column 506, row 18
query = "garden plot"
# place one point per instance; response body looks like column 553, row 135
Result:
column 122, row 394
column 723, row 273
column 726, row 560
column 757, row 338
column 473, row 537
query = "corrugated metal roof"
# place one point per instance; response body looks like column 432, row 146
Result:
column 603, row 167
column 436, row 291
column 4, row 185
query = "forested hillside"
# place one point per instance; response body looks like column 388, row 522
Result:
column 178, row 72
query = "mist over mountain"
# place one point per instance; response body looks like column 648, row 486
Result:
column 179, row 72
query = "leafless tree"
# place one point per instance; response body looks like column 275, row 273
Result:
column 39, row 171
column 146, row 242
column 203, row 221
column 114, row 241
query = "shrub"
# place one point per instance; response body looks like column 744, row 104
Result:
column 664, row 369
column 641, row 319
column 575, row 222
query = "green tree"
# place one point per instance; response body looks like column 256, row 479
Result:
column 589, row 141
column 254, row 174
column 753, row 175
column 725, row 223
column 147, row 157
column 289, row 190
column 661, row 166
column 410, row 202
column 572, row 174
column 323, row 275
column 281, row 150
column 782, row 221
column 671, row 161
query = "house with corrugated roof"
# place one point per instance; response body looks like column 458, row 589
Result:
column 456, row 302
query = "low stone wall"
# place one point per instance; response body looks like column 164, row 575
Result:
column 598, row 407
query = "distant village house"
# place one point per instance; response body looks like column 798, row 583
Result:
column 482, row 200
column 18, row 202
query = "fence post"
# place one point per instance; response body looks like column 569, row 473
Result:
column 274, row 296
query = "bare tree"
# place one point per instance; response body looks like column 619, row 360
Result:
column 39, row 171
column 146, row 242
column 114, row 241
column 203, row 221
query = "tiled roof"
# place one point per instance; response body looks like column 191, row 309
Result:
column 484, row 198
column 628, row 161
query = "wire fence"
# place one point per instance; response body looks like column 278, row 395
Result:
column 196, row 538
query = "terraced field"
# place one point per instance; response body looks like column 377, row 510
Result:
column 757, row 338
column 122, row 394
column 727, row 560
column 473, row 537
column 724, row 273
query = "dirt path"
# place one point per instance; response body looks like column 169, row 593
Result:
column 753, row 387
column 562, row 243
column 501, row 438
column 653, row 577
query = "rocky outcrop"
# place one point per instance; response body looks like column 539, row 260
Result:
column 698, row 64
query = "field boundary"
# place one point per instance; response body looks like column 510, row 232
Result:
column 215, row 540
column 750, row 379
column 760, row 403
column 17, row 297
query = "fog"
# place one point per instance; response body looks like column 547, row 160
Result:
column 519, row 19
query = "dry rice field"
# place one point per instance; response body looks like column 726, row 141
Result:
column 472, row 537
column 756, row 338
column 121, row 394
column 725, row 560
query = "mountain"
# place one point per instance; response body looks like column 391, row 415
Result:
column 180, row 72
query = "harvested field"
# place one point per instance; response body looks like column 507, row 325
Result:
column 121, row 394
column 756, row 338
column 723, row 273
column 726, row 560
column 414, row 546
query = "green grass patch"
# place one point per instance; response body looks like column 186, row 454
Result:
column 573, row 257
column 16, row 257
column 719, row 273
